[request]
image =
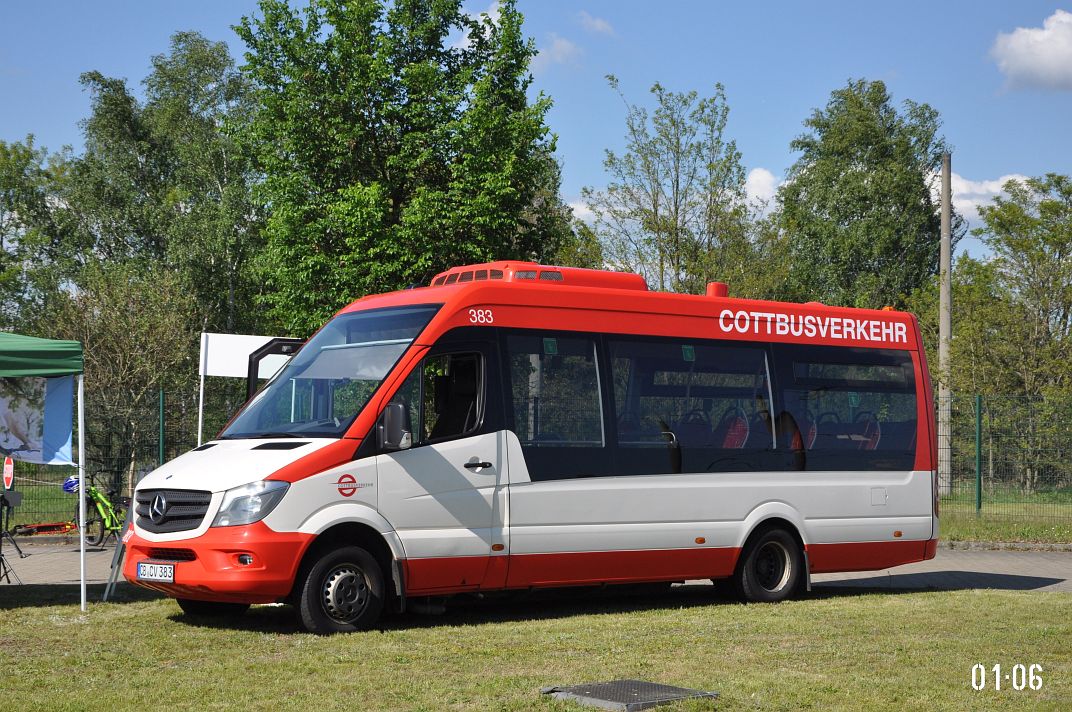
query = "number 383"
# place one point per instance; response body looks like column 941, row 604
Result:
column 481, row 316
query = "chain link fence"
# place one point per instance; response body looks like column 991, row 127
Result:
column 1010, row 457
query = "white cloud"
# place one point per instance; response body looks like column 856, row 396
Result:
column 761, row 185
column 493, row 12
column 1037, row 57
column 581, row 211
column 559, row 51
column 595, row 24
column 970, row 195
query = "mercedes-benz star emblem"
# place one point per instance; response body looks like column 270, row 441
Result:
column 158, row 509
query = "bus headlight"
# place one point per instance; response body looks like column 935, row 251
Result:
column 249, row 503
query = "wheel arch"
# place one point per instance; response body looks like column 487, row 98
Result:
column 366, row 529
column 767, row 516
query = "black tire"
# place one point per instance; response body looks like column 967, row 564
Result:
column 211, row 609
column 94, row 529
column 343, row 592
column 771, row 567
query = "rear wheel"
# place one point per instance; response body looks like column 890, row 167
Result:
column 343, row 592
column 211, row 609
column 770, row 568
column 94, row 529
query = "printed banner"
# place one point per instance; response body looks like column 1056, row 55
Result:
column 37, row 419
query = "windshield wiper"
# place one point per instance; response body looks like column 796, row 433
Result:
column 254, row 436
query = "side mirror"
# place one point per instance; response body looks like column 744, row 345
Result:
column 393, row 435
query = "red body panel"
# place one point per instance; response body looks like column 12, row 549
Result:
column 460, row 574
column 215, row 574
column 864, row 556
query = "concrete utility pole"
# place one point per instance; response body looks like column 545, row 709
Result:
column 945, row 325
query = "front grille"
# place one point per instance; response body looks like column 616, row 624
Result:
column 183, row 509
column 172, row 554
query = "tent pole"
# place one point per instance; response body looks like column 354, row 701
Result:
column 82, row 486
column 201, row 392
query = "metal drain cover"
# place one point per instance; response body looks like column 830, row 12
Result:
column 625, row 695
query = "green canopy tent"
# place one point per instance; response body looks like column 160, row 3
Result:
column 31, row 357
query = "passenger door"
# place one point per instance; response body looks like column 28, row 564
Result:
column 446, row 494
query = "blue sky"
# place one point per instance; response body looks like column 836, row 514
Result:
column 999, row 73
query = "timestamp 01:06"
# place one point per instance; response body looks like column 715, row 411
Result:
column 1021, row 677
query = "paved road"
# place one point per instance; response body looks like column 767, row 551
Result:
column 949, row 570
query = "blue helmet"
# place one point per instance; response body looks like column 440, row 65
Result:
column 70, row 485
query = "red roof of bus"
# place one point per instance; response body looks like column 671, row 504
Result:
column 596, row 300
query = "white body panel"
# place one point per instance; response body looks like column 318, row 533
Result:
column 669, row 511
column 437, row 505
column 428, row 505
column 225, row 465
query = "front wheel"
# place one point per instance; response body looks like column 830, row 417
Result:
column 771, row 567
column 342, row 593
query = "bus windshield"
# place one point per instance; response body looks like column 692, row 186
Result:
column 323, row 388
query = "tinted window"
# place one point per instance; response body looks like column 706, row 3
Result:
column 849, row 409
column 554, row 388
column 554, row 404
column 691, row 406
column 443, row 397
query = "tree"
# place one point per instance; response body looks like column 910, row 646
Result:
column 140, row 242
column 389, row 154
column 1030, row 233
column 675, row 208
column 858, row 206
column 30, row 183
column 1011, row 332
column 138, row 327
column 164, row 181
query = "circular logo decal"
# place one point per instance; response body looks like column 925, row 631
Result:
column 347, row 485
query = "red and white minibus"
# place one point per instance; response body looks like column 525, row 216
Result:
column 515, row 425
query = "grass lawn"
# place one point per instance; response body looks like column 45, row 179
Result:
column 835, row 651
column 1006, row 521
column 968, row 527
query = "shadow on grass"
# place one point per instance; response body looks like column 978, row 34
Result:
column 56, row 594
column 937, row 581
column 568, row 602
column 493, row 608
column 523, row 606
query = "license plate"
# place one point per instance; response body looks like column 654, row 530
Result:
column 156, row 572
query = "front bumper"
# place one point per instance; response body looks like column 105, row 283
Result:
column 207, row 567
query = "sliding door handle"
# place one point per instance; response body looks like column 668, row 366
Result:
column 477, row 465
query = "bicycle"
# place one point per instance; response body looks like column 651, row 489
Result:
column 102, row 517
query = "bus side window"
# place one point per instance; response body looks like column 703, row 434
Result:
column 855, row 408
column 452, row 395
column 556, row 405
column 444, row 397
column 691, row 406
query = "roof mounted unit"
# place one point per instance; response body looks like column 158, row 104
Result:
column 542, row 274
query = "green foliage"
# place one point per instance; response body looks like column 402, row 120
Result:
column 143, row 240
column 138, row 327
column 164, row 181
column 675, row 208
column 858, row 207
column 32, row 231
column 1030, row 233
column 1011, row 331
column 389, row 154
